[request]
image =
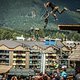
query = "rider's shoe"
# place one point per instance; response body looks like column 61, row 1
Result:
column 65, row 8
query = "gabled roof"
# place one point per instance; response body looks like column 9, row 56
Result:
column 10, row 43
column 65, row 47
column 59, row 44
column 75, row 56
column 30, row 44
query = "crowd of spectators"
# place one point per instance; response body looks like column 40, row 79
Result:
column 57, row 74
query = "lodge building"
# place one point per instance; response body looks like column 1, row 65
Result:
column 27, row 54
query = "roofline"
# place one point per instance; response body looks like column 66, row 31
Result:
column 9, row 47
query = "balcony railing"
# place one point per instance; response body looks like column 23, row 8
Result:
column 4, row 63
column 19, row 64
column 4, row 59
column 23, row 54
column 4, row 53
column 23, row 59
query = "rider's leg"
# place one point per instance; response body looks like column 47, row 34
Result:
column 46, row 22
column 46, row 15
column 53, row 14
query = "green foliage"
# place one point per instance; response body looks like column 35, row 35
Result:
column 74, row 36
column 10, row 34
column 6, row 33
column 60, row 34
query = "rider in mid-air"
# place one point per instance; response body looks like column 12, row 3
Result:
column 53, row 11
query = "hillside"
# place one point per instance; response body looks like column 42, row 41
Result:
column 24, row 14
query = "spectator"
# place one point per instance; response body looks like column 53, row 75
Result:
column 57, row 76
column 77, row 77
column 64, row 74
column 14, row 78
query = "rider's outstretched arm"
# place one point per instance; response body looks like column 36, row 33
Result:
column 62, row 11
